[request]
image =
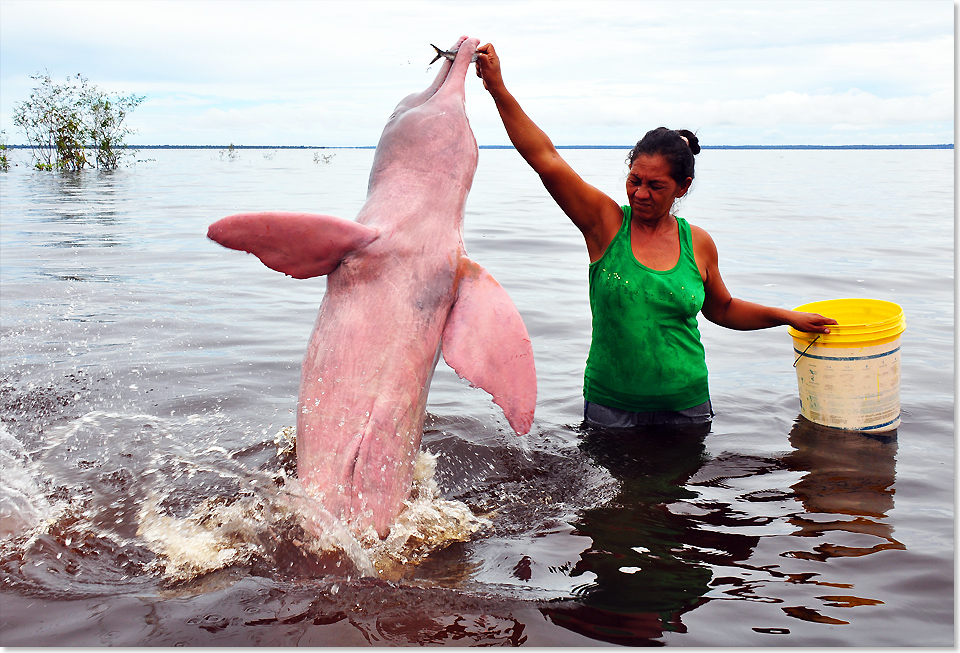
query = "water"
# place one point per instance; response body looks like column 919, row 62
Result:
column 148, row 385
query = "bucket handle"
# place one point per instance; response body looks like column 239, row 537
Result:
column 805, row 351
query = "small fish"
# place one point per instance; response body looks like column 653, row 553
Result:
column 450, row 54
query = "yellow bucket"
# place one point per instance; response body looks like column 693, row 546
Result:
column 850, row 378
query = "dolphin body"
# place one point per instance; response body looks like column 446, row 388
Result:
column 400, row 289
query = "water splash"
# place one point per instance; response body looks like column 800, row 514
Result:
column 22, row 504
column 426, row 523
column 222, row 531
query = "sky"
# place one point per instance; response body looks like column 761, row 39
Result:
column 329, row 72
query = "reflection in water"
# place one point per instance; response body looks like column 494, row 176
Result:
column 372, row 613
column 77, row 211
column 847, row 474
column 647, row 559
column 655, row 546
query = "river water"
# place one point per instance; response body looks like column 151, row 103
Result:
column 148, row 391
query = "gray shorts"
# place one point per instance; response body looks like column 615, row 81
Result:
column 600, row 415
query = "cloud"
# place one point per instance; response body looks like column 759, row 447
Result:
column 323, row 72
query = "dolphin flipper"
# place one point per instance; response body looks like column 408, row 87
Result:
column 301, row 245
column 486, row 343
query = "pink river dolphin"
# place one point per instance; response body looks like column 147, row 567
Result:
column 400, row 289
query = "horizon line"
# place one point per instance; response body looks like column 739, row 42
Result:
column 932, row 146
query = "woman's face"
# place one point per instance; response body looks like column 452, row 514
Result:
column 651, row 190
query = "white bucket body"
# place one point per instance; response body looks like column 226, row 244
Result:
column 856, row 388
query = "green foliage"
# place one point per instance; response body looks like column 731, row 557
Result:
column 4, row 161
column 105, row 127
column 53, row 123
column 230, row 153
column 63, row 121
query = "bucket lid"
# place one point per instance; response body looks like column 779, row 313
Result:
column 859, row 321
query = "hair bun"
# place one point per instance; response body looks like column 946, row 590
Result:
column 691, row 139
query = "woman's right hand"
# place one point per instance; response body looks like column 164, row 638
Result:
column 488, row 66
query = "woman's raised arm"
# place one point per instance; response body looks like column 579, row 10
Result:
column 596, row 214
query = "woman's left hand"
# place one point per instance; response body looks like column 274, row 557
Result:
column 810, row 322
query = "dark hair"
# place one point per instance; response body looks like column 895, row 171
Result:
column 669, row 144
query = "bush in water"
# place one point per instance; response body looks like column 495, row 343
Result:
column 62, row 121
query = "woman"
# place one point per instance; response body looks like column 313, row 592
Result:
column 650, row 274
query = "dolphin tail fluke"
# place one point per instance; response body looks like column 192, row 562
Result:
column 302, row 245
column 486, row 343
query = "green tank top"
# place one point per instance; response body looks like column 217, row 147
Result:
column 645, row 354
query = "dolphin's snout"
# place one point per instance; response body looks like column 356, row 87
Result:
column 451, row 54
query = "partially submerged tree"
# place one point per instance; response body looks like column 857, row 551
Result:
column 52, row 123
column 105, row 127
column 62, row 121
column 4, row 161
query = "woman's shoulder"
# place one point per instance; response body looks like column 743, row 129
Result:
column 702, row 241
column 695, row 231
column 610, row 220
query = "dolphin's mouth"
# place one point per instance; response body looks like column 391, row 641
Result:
column 439, row 82
column 450, row 57
column 451, row 54
column 450, row 62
